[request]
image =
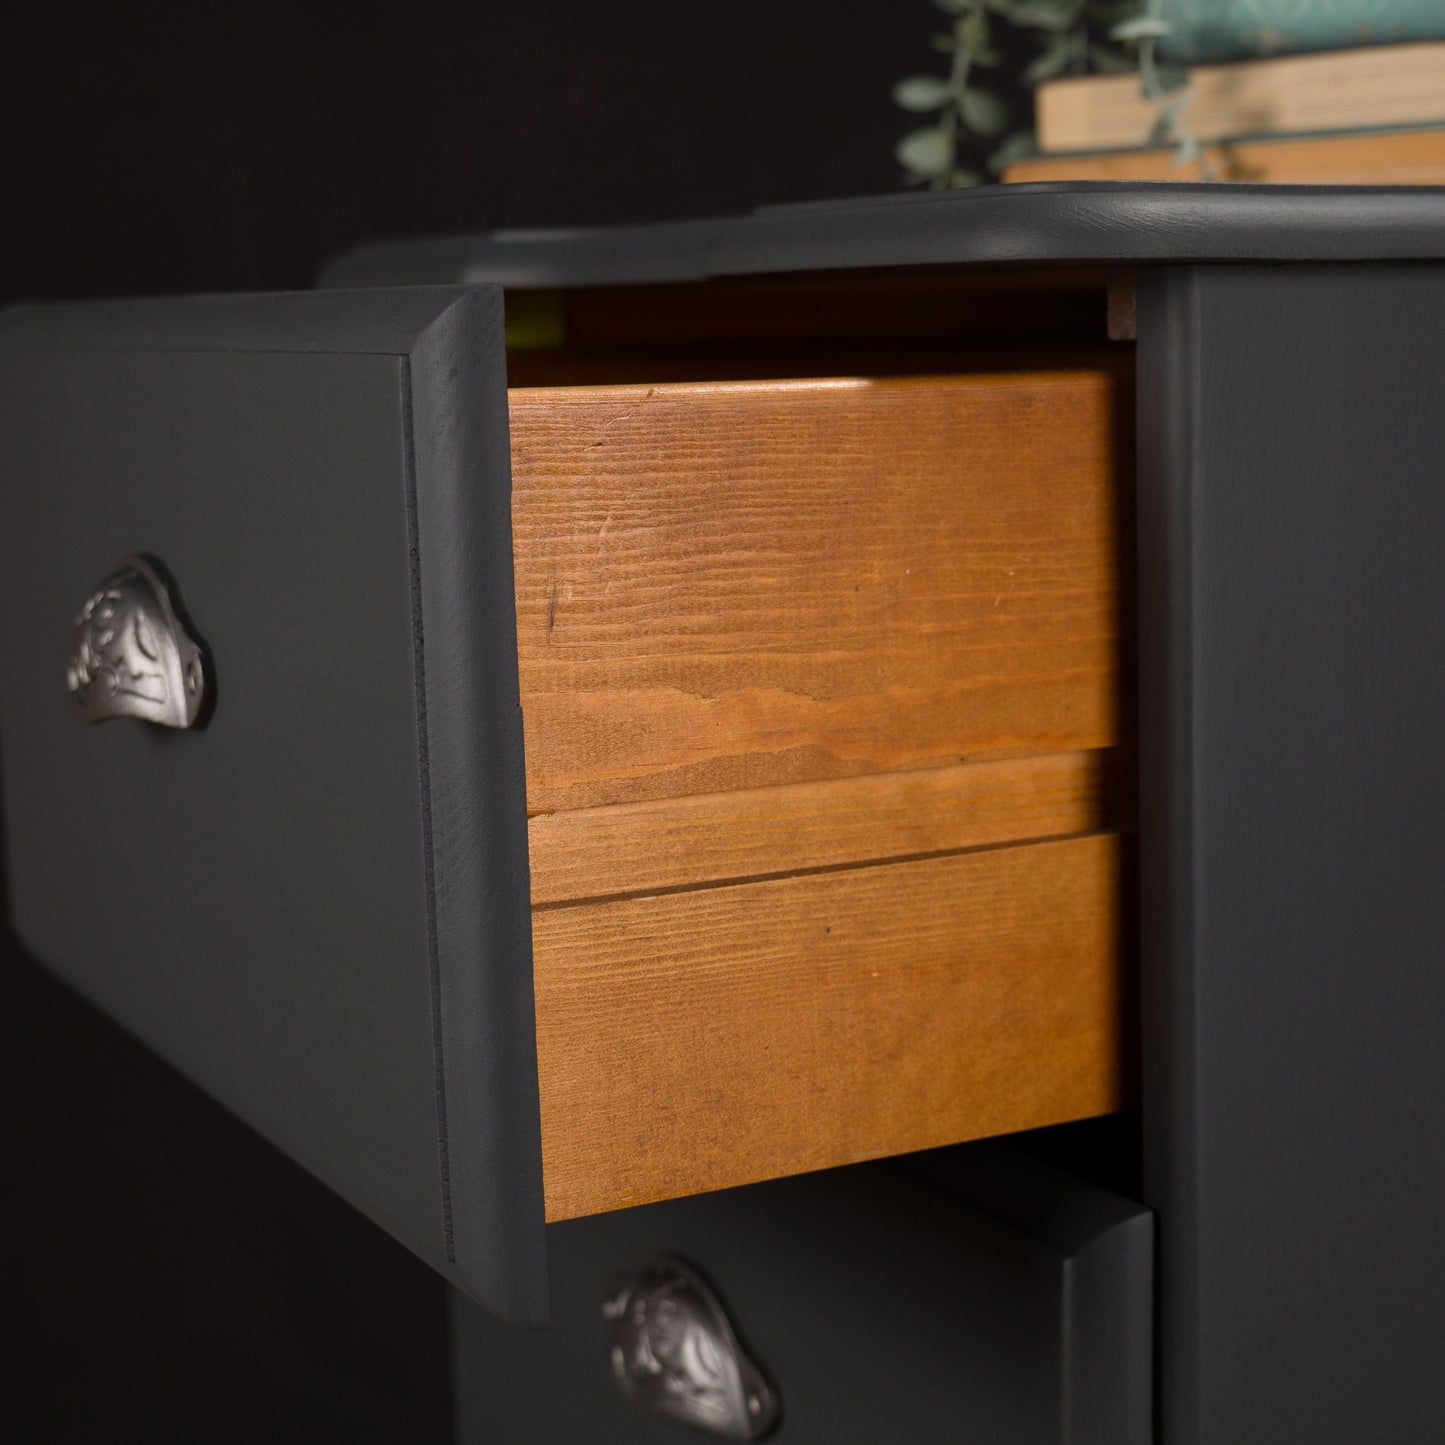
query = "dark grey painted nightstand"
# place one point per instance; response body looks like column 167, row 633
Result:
column 320, row 911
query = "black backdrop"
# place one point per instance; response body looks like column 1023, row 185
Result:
column 168, row 1276
column 185, row 146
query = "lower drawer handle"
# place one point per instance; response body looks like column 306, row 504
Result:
column 674, row 1353
column 133, row 654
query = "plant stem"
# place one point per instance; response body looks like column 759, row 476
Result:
column 958, row 73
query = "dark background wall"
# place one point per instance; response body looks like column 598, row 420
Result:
column 183, row 146
column 168, row 1276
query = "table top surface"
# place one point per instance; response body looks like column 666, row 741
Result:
column 1045, row 224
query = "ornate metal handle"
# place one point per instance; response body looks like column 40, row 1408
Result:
column 674, row 1353
column 133, row 655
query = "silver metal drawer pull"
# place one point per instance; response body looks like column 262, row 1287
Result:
column 133, row 655
column 674, row 1353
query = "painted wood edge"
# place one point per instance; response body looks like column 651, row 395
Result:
column 1054, row 223
column 474, row 799
column 388, row 321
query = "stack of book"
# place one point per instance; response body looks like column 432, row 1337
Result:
column 1373, row 116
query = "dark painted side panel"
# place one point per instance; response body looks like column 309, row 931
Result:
column 1292, row 446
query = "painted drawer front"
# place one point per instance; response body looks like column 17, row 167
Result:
column 315, row 905
column 979, row 1295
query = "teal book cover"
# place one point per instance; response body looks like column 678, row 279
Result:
column 1236, row 29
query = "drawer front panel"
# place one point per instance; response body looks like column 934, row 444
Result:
column 315, row 905
column 977, row 1295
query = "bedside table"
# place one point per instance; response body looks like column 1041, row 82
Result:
column 595, row 719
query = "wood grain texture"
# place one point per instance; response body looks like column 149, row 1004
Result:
column 709, row 1038
column 715, row 837
column 723, row 587
column 1361, row 89
column 1389, row 158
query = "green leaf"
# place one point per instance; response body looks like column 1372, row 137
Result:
column 1111, row 12
column 1143, row 27
column 1165, row 127
column 921, row 92
column 972, row 33
column 926, row 152
column 1015, row 148
column 983, row 112
column 1054, row 61
column 954, row 7
column 1170, row 78
column 960, row 176
column 1172, row 111
column 943, row 43
column 1109, row 62
column 1044, row 14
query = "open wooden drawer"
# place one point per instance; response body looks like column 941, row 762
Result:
column 799, row 660
column 811, row 854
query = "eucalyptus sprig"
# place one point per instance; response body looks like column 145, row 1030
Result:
column 1166, row 86
column 1072, row 35
column 930, row 155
